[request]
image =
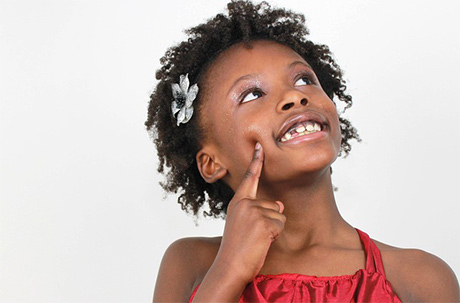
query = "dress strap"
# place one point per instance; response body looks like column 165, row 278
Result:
column 373, row 257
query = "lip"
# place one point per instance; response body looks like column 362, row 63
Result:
column 305, row 116
column 304, row 138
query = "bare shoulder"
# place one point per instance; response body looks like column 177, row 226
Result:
column 418, row 276
column 183, row 266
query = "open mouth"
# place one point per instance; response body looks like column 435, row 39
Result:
column 301, row 129
column 302, row 125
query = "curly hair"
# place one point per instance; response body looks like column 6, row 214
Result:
column 177, row 146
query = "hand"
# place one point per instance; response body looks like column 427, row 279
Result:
column 251, row 226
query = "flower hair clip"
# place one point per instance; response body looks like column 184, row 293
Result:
column 183, row 99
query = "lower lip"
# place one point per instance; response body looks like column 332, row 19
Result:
column 308, row 137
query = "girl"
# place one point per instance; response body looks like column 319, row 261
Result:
column 245, row 121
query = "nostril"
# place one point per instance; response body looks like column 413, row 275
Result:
column 303, row 101
column 287, row 106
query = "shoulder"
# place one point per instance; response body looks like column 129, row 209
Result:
column 184, row 264
column 193, row 248
column 418, row 276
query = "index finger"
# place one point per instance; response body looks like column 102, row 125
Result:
column 250, row 183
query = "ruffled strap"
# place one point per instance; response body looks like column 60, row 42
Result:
column 373, row 257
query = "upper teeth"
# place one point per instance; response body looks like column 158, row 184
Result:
column 304, row 128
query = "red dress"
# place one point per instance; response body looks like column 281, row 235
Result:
column 366, row 285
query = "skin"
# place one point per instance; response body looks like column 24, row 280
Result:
column 283, row 217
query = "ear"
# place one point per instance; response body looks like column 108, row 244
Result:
column 210, row 168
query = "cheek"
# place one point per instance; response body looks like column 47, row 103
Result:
column 241, row 135
column 336, row 130
column 338, row 136
column 329, row 107
column 221, row 127
column 247, row 127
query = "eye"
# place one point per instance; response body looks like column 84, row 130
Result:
column 304, row 80
column 252, row 95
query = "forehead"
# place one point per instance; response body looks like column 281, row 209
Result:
column 239, row 59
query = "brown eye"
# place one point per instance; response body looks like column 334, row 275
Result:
column 303, row 81
column 252, row 96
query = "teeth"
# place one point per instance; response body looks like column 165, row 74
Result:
column 306, row 128
column 300, row 129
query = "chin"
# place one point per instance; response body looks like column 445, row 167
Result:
column 299, row 168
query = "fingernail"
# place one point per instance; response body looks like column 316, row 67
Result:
column 281, row 206
column 258, row 146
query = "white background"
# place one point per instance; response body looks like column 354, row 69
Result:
column 82, row 217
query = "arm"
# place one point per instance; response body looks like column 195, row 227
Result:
column 426, row 278
column 251, row 227
column 437, row 281
column 177, row 274
column 220, row 285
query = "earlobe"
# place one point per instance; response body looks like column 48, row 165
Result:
column 210, row 169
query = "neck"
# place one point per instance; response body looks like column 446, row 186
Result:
column 311, row 212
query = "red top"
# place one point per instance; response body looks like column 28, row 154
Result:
column 366, row 285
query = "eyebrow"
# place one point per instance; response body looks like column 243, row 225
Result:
column 249, row 76
column 293, row 64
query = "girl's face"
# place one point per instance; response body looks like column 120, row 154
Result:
column 258, row 95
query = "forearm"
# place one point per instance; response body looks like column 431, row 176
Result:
column 220, row 284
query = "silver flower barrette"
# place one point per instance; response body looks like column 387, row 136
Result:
column 183, row 99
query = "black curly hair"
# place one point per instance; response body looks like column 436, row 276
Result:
column 177, row 146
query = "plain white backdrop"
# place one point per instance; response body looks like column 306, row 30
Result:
column 82, row 217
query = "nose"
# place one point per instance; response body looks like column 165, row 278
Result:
column 292, row 99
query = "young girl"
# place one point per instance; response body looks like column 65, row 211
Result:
column 244, row 120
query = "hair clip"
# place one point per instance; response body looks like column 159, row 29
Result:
column 183, row 99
